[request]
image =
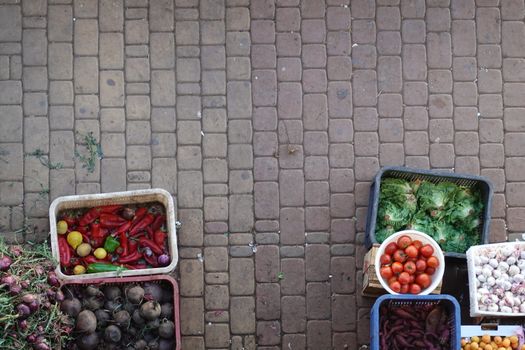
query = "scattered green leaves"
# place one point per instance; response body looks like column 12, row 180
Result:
column 93, row 149
column 44, row 159
column 280, row 275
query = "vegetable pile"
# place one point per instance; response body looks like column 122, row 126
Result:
column 30, row 316
column 113, row 238
column 447, row 212
column 134, row 316
column 486, row 342
column 408, row 265
column 500, row 278
column 417, row 327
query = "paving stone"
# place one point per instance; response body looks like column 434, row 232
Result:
column 491, row 130
column 389, row 74
column 388, row 18
column 161, row 16
column 192, row 321
column 513, row 42
column 35, row 104
column 513, row 119
column 288, row 44
column 162, row 88
column 463, row 9
column 413, row 31
column 512, row 10
column 317, row 193
column 86, row 37
column 515, row 216
column 293, row 314
column 391, row 130
column 111, row 89
column 513, row 94
column 86, row 78
column 34, row 45
column 488, row 25
column 415, row 93
column 512, row 194
column 492, row 155
column 414, row 62
column 12, row 118
column 388, row 43
column 112, row 50
column 338, row 43
column 413, row 8
column 416, row 143
column 496, row 177
column 240, row 268
column 242, row 310
column 85, row 8
column 464, row 37
column 238, row 44
column 438, row 19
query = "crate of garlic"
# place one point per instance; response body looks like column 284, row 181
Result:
column 496, row 274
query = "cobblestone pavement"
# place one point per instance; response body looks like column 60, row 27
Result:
column 267, row 121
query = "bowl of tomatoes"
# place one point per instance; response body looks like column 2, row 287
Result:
column 409, row 262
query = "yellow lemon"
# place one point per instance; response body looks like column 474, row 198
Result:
column 61, row 227
column 74, row 238
column 100, row 253
column 79, row 270
column 83, row 249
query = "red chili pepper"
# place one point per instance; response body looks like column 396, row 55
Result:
column 143, row 241
column 124, row 228
column 111, row 220
column 90, row 259
column 110, row 209
column 70, row 221
column 142, row 224
column 64, row 251
column 132, row 246
column 139, row 214
column 130, row 258
column 135, row 266
column 159, row 220
column 149, row 232
column 89, row 217
column 159, row 237
column 152, row 260
column 124, row 244
column 82, row 229
column 97, row 235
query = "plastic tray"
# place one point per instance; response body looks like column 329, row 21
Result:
column 129, row 197
column 474, row 306
column 449, row 302
column 411, row 174
column 138, row 279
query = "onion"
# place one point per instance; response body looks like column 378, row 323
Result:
column 23, row 311
column 28, row 298
column 8, row 280
column 33, row 306
column 50, row 294
column 164, row 260
column 24, row 284
column 22, row 324
column 31, row 338
column 5, row 263
column 52, row 279
column 15, row 289
column 59, row 296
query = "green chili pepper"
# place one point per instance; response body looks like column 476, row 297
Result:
column 101, row 267
column 111, row 244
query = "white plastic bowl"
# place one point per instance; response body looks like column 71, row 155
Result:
column 425, row 239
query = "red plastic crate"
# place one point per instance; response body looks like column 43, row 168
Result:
column 139, row 279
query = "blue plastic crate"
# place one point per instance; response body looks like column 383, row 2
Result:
column 449, row 302
column 411, row 174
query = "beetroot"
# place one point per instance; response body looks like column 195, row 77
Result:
column 5, row 263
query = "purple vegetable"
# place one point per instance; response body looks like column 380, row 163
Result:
column 8, row 280
column 164, row 260
column 23, row 311
column 22, row 324
column 5, row 263
column 31, row 338
column 28, row 298
column 59, row 296
column 33, row 306
column 15, row 289
column 52, row 279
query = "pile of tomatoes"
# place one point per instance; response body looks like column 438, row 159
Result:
column 407, row 265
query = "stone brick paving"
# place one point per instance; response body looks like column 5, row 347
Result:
column 267, row 121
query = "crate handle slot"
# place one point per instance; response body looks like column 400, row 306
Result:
column 489, row 326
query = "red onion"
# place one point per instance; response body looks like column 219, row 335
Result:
column 40, row 328
column 23, row 311
column 5, row 263
column 31, row 338
column 16, row 250
column 59, row 296
column 164, row 260
column 22, row 324
column 28, row 298
column 39, row 270
column 52, row 279
column 15, row 289
column 8, row 280
column 41, row 346
column 24, row 284
column 33, row 306
column 50, row 294
column 47, row 304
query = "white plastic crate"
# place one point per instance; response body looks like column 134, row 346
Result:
column 476, row 251
column 128, row 197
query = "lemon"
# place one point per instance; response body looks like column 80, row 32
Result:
column 100, row 253
column 61, row 227
column 74, row 238
column 79, row 270
column 83, row 249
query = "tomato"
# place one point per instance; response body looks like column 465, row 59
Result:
column 404, row 289
column 411, row 251
column 430, row 270
column 397, row 267
column 386, row 272
column 400, row 256
column 412, row 279
column 395, row 286
column 390, row 248
column 410, row 267
column 404, row 241
column 415, row 289
column 417, row 243
column 432, row 262
column 404, row 278
column 427, row 250
column 392, row 280
column 412, row 259
column 421, row 265
column 385, row 259
column 423, row 280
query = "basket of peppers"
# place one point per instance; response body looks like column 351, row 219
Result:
column 114, row 234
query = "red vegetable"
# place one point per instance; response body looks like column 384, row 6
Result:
column 142, row 224
column 150, row 244
column 123, row 243
column 110, row 209
column 139, row 214
column 157, row 224
column 159, row 237
column 124, row 228
column 130, row 258
column 64, row 251
column 97, row 236
column 111, row 220
column 151, row 260
column 5, row 263
column 89, row 217
column 70, row 221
